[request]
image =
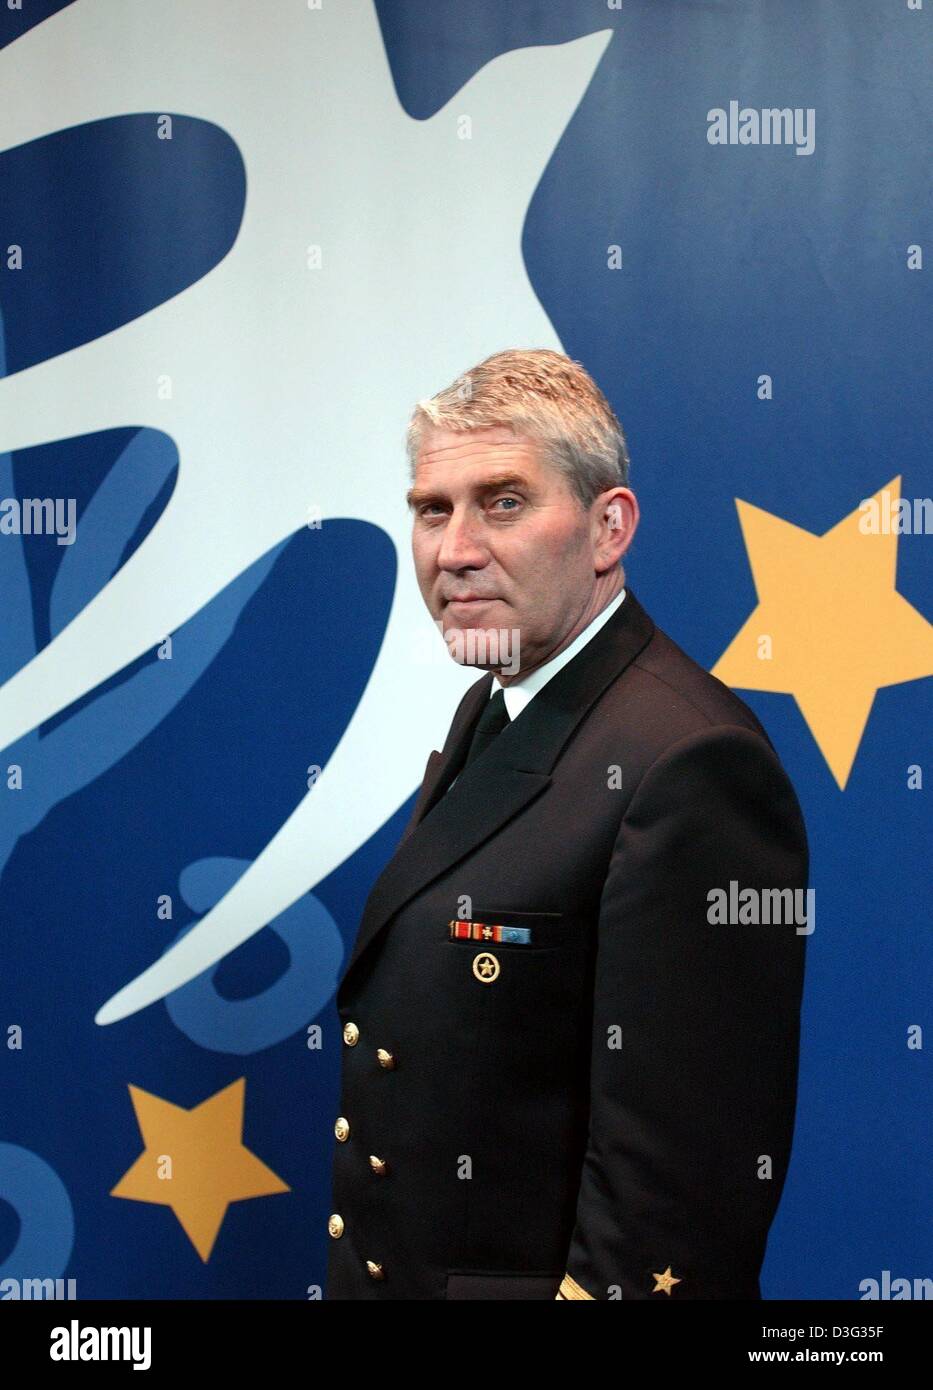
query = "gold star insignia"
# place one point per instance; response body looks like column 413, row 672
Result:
column 666, row 1282
column 195, row 1163
column 830, row 628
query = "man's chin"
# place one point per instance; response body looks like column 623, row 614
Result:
column 484, row 665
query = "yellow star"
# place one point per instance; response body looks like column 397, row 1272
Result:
column 195, row 1162
column 830, row 628
column 665, row 1283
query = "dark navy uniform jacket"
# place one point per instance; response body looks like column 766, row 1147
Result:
column 605, row 1107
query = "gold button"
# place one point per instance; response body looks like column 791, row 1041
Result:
column 351, row 1034
column 335, row 1225
column 486, row 967
column 385, row 1058
column 342, row 1128
column 375, row 1270
column 378, row 1165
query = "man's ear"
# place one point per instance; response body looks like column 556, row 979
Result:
column 617, row 515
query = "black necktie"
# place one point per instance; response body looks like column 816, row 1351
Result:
column 491, row 722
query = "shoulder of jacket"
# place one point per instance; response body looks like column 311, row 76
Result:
column 692, row 696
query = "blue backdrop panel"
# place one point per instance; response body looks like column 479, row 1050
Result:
column 735, row 262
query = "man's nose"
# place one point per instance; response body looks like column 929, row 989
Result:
column 461, row 546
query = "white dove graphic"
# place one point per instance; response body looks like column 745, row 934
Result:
column 293, row 370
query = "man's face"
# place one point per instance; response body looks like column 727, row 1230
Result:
column 499, row 541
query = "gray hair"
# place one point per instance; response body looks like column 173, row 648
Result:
column 545, row 396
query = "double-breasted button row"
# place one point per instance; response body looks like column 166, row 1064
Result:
column 351, row 1036
column 379, row 1166
column 336, row 1227
column 342, row 1131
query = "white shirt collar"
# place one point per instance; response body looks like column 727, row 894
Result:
column 519, row 693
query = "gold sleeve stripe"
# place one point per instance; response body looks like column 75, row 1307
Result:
column 569, row 1288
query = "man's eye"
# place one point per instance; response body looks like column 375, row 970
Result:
column 516, row 500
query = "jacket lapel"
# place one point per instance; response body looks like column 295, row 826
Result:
column 514, row 771
column 443, row 767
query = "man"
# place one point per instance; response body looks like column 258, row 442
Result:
column 564, row 1075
